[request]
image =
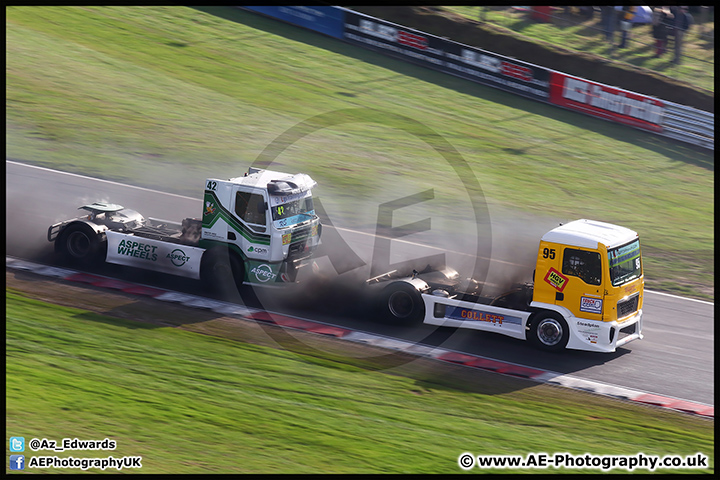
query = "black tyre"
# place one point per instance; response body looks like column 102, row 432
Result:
column 549, row 331
column 401, row 303
column 222, row 271
column 79, row 243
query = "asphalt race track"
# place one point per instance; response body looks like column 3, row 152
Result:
column 675, row 358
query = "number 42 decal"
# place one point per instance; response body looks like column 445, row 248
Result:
column 211, row 185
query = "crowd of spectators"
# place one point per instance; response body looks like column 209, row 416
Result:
column 667, row 23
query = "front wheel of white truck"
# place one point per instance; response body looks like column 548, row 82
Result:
column 222, row 271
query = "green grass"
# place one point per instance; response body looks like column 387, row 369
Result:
column 165, row 97
column 575, row 32
column 192, row 403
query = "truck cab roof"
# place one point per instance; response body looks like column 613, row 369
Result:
column 588, row 233
column 276, row 183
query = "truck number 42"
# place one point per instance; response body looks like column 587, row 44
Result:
column 211, row 186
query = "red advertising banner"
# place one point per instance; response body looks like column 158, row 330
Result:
column 606, row 102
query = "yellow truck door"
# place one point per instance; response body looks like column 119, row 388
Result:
column 570, row 277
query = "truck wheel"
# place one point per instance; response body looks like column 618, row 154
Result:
column 79, row 243
column 402, row 303
column 549, row 331
column 222, row 271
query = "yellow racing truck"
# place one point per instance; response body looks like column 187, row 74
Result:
column 586, row 294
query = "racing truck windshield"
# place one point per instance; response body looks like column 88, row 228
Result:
column 294, row 211
column 625, row 264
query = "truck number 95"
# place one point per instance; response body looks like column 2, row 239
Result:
column 549, row 253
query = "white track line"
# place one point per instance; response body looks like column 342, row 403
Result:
column 101, row 180
column 677, row 296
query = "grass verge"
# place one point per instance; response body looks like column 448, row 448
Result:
column 191, row 403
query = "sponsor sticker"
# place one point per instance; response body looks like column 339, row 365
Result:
column 589, row 331
column 142, row 250
column 286, row 238
column 588, row 325
column 590, row 305
column 556, row 279
column 469, row 314
column 210, row 234
column 263, row 273
column 276, row 200
column 178, row 257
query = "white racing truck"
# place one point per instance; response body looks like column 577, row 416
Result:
column 260, row 228
column 587, row 293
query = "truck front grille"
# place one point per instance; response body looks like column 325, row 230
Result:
column 296, row 249
column 300, row 242
column 628, row 306
column 301, row 234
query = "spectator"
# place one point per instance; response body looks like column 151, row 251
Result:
column 643, row 15
column 608, row 22
column 587, row 12
column 584, row 11
column 661, row 20
column 682, row 23
column 626, row 15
